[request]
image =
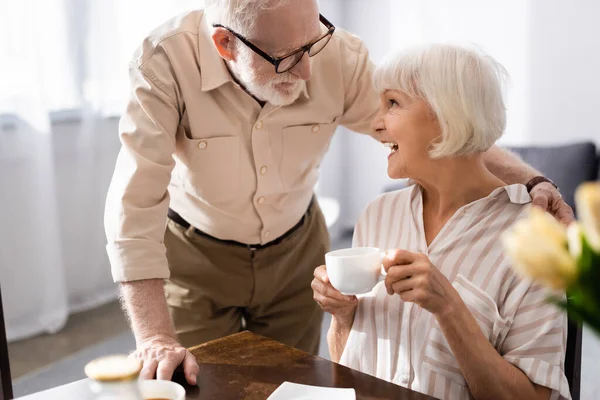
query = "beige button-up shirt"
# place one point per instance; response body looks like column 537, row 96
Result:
column 402, row 343
column 194, row 140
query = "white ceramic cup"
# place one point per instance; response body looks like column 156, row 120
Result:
column 356, row 270
column 160, row 389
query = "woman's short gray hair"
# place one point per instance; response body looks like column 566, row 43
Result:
column 463, row 86
column 239, row 15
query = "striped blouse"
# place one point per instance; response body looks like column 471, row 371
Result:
column 402, row 343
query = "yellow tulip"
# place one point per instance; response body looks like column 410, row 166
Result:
column 587, row 200
column 574, row 238
column 537, row 246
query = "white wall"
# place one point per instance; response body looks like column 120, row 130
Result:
column 480, row 23
column 331, row 180
column 355, row 169
column 564, row 70
column 366, row 160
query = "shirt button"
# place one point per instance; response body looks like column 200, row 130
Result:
column 261, row 200
column 267, row 234
column 202, row 145
column 263, row 170
column 316, row 128
column 259, row 125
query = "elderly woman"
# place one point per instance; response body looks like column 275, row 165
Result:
column 452, row 319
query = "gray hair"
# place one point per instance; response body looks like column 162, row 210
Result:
column 463, row 87
column 239, row 15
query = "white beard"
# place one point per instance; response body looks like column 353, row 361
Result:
column 265, row 91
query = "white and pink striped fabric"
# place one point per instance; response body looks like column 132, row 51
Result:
column 402, row 343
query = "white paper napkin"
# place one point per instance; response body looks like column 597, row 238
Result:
column 296, row 391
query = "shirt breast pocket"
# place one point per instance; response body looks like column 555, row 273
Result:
column 303, row 149
column 212, row 167
column 438, row 355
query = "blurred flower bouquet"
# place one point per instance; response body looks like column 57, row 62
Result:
column 566, row 259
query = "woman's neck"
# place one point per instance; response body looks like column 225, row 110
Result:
column 450, row 185
column 456, row 182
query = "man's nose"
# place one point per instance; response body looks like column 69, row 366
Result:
column 303, row 69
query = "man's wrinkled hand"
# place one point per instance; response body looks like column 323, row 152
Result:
column 548, row 198
column 161, row 355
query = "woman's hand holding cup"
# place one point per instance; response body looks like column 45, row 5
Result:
column 341, row 307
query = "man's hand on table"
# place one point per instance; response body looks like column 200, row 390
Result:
column 161, row 355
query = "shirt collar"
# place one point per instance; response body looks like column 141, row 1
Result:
column 213, row 70
column 517, row 193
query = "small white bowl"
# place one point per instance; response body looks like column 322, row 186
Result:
column 159, row 389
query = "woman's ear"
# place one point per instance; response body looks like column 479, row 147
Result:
column 224, row 43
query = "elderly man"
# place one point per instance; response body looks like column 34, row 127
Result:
column 231, row 111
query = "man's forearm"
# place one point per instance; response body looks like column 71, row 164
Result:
column 508, row 166
column 146, row 306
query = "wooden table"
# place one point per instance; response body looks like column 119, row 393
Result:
column 249, row 366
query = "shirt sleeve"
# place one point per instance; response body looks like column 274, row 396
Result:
column 138, row 200
column 361, row 102
column 536, row 340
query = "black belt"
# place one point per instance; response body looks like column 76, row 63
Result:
column 180, row 221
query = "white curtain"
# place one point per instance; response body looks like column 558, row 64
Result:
column 63, row 83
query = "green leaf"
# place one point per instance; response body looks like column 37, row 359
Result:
column 579, row 314
column 587, row 287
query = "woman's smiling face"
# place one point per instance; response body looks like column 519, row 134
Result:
column 409, row 127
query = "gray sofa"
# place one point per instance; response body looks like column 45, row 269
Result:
column 568, row 166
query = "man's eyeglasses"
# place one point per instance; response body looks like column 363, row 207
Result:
column 289, row 61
